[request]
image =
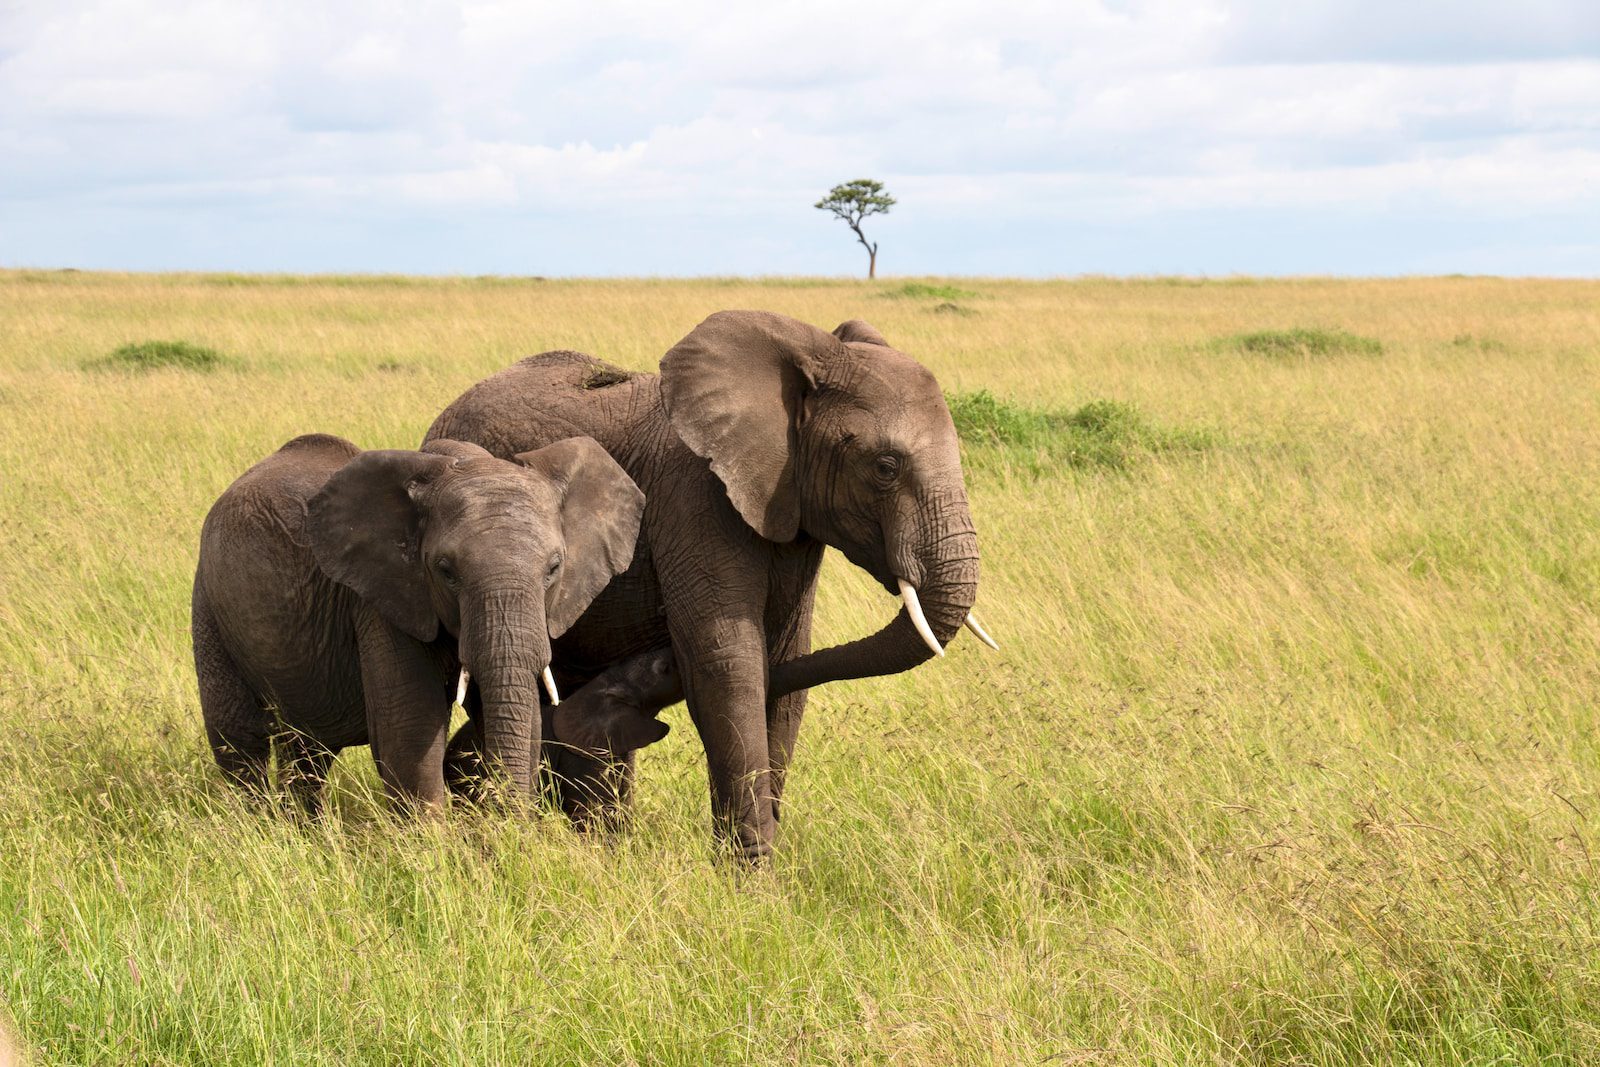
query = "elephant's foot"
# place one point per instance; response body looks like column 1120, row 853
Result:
column 743, row 846
column 745, row 856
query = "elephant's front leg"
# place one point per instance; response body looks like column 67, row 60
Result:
column 724, row 673
column 783, row 731
column 408, row 714
column 727, row 702
column 714, row 581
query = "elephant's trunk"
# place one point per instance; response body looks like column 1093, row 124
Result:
column 944, row 573
column 505, row 647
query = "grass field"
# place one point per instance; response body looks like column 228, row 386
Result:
column 1291, row 755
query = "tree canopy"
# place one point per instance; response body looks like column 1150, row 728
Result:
column 856, row 200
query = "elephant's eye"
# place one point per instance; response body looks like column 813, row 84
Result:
column 554, row 566
column 446, row 569
column 887, row 467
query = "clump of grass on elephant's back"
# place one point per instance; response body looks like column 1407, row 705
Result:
column 1303, row 343
column 153, row 355
column 1101, row 434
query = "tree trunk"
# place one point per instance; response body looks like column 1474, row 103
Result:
column 872, row 263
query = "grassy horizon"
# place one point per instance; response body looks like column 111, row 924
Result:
column 1290, row 755
column 888, row 284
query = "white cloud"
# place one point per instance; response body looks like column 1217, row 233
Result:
column 604, row 115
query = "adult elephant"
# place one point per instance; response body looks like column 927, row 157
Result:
column 762, row 440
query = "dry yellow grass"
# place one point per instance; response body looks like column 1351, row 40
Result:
column 1290, row 756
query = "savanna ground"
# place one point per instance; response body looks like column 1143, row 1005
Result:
column 1290, row 755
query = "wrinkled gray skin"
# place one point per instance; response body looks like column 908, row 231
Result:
column 762, row 440
column 339, row 592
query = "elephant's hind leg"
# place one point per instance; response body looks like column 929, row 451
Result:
column 238, row 725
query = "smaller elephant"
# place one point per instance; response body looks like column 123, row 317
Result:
column 615, row 713
column 340, row 594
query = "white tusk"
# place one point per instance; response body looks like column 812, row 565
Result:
column 977, row 628
column 461, row 687
column 908, row 593
column 550, row 687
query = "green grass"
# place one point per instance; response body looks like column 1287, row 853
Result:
column 150, row 355
column 1482, row 344
column 1303, row 342
column 931, row 291
column 1291, row 756
column 1100, row 433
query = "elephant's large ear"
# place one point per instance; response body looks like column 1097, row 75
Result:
column 734, row 391
column 860, row 332
column 365, row 529
column 600, row 513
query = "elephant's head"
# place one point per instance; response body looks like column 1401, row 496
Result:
column 841, row 437
column 442, row 539
column 615, row 712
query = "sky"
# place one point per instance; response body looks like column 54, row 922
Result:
column 1215, row 137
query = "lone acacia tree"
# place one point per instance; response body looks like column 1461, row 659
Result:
column 854, row 201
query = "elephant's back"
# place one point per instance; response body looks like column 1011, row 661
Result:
column 268, row 501
column 273, row 608
column 550, row 397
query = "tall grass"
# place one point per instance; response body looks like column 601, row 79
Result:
column 1290, row 756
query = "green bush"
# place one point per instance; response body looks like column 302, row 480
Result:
column 1304, row 343
column 921, row 290
column 1480, row 344
column 149, row 355
column 1101, row 433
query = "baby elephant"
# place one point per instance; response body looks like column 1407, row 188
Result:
column 340, row 593
column 596, row 729
column 615, row 713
